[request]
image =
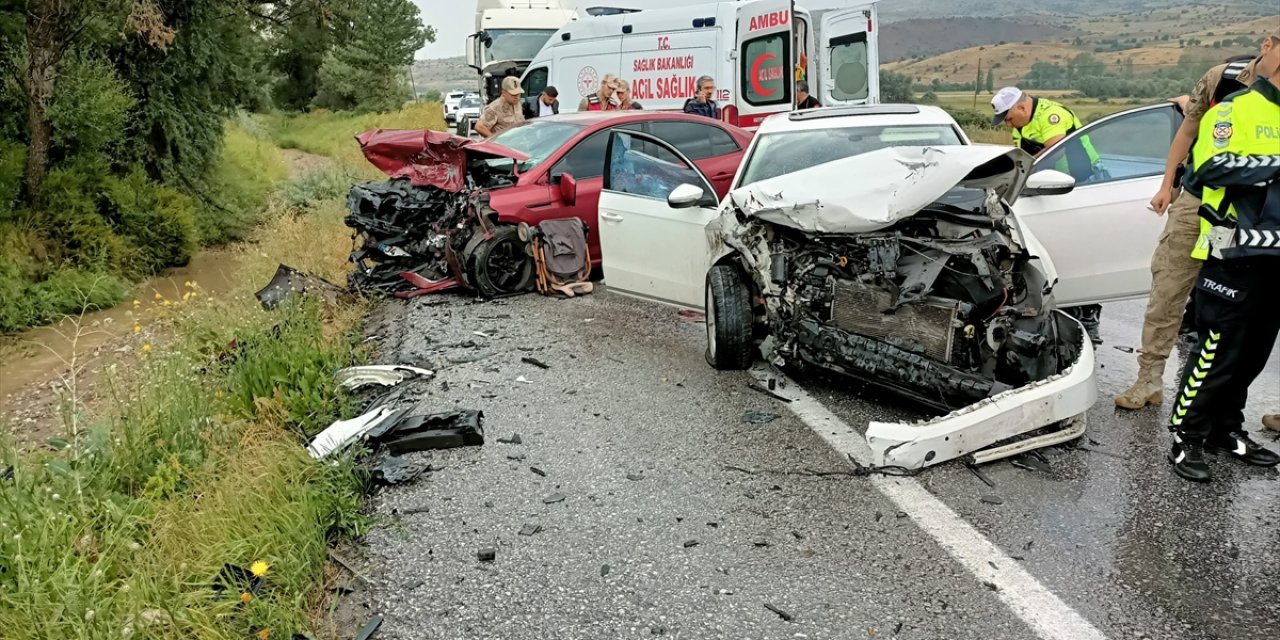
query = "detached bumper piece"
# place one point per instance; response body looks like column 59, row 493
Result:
column 1038, row 414
column 463, row 428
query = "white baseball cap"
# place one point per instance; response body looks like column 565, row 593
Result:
column 1004, row 100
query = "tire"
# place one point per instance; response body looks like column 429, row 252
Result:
column 501, row 266
column 729, row 319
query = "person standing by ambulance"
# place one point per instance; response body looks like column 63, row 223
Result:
column 505, row 112
column 701, row 103
column 1236, row 170
column 1039, row 124
column 604, row 98
column 1173, row 268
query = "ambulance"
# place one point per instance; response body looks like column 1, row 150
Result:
column 755, row 51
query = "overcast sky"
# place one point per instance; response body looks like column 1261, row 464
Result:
column 454, row 19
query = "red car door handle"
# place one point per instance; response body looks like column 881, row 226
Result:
column 540, row 205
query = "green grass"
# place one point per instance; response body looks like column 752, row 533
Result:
column 196, row 459
column 249, row 168
column 333, row 134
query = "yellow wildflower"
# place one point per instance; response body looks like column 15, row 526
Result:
column 246, row 597
column 158, row 296
column 146, row 348
column 137, row 328
column 217, row 394
column 188, row 284
column 186, row 296
column 264, row 634
column 168, row 303
column 259, row 568
column 136, row 303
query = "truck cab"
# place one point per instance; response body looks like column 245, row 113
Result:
column 508, row 34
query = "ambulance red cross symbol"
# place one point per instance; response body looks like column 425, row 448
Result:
column 588, row 81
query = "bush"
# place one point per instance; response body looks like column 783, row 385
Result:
column 313, row 187
column 158, row 221
column 91, row 107
column 13, row 161
column 24, row 303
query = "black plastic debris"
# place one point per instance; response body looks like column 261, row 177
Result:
column 487, row 554
column 690, row 543
column 370, row 628
column 782, row 613
column 757, row 417
column 553, row 498
column 996, row 500
column 535, row 362
column 288, row 282
column 463, row 428
column 991, row 585
column 635, row 477
column 759, row 389
column 238, row 579
column 538, row 471
column 396, row 470
column 514, row 439
column 604, row 570
column 1030, row 463
column 530, row 529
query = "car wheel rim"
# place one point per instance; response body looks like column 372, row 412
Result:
column 710, row 317
column 506, row 265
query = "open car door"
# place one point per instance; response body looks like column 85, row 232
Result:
column 654, row 209
column 765, row 59
column 848, row 57
column 1100, row 235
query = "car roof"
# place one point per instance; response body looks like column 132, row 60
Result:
column 856, row 115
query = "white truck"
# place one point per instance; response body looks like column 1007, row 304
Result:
column 508, row 34
column 755, row 51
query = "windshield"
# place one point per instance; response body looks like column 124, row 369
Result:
column 469, row 101
column 515, row 44
column 537, row 139
column 777, row 154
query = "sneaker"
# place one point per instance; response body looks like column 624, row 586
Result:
column 1238, row 445
column 1188, row 460
column 1271, row 421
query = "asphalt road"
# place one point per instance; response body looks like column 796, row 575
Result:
column 681, row 519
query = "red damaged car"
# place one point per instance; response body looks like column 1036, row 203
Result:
column 451, row 214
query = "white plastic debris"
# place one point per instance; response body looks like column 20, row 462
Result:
column 344, row 433
column 523, row 379
column 387, row 375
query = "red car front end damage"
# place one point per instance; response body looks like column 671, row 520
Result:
column 451, row 214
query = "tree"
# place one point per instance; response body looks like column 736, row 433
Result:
column 991, row 80
column 895, row 87
column 367, row 71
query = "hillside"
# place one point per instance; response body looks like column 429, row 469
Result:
column 1147, row 46
column 932, row 36
column 904, row 9
column 444, row 74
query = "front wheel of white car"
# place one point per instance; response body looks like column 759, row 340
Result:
column 729, row 319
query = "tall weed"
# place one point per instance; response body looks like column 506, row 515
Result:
column 333, row 134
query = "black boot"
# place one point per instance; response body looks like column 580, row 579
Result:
column 1240, row 446
column 1188, row 460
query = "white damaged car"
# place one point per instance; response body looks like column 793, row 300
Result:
column 900, row 262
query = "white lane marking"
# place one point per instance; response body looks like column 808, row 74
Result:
column 1040, row 609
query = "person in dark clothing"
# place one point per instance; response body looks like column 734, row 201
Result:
column 546, row 104
column 702, row 104
column 803, row 99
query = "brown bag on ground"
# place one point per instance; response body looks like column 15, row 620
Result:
column 562, row 258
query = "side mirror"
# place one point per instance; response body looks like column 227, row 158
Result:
column 1048, row 183
column 473, row 53
column 568, row 189
column 685, row 196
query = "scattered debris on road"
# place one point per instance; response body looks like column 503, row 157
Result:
column 754, row 386
column 514, row 439
column 782, row 613
column 995, row 500
column 690, row 543
column 535, row 362
column 462, row 428
column 387, row 375
column 538, row 471
column 530, row 529
column 487, row 554
column 391, row 469
column 370, row 628
column 757, row 417
column 553, row 498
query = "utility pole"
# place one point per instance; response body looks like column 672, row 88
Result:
column 977, row 83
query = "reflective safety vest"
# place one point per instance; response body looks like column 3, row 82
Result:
column 1050, row 120
column 1236, row 162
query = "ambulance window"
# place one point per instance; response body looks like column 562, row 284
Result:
column 534, row 82
column 765, row 61
column 697, row 141
column 849, row 67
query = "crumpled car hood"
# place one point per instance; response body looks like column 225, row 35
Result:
column 872, row 191
column 427, row 158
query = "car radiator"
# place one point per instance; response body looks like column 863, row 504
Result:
column 924, row 327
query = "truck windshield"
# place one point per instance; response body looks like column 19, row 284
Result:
column 515, row 44
column 537, row 139
column 469, row 102
column 777, row 154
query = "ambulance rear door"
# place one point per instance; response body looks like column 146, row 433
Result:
column 762, row 80
column 848, row 57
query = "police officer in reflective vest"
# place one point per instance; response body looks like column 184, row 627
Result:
column 1038, row 125
column 1173, row 269
column 1236, row 169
